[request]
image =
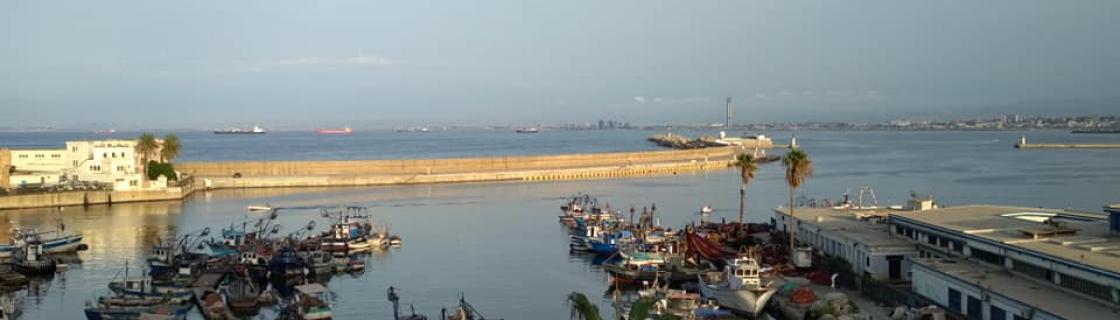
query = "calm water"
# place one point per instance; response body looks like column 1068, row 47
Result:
column 500, row 244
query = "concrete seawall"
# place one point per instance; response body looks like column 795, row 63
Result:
column 1068, row 146
column 445, row 166
column 269, row 174
column 523, row 175
column 78, row 198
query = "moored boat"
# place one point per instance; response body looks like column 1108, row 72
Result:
column 739, row 287
column 312, row 302
column 31, row 259
column 260, row 208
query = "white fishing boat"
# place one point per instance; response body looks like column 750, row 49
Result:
column 739, row 287
column 263, row 208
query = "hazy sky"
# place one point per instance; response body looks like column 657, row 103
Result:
column 204, row 64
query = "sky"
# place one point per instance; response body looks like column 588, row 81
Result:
column 208, row 64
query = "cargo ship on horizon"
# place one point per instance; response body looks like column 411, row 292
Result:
column 254, row 130
column 343, row 130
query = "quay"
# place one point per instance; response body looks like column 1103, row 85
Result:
column 976, row 261
column 349, row 173
column 1024, row 145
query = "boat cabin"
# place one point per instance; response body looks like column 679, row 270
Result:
column 743, row 272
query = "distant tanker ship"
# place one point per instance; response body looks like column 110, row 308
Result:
column 345, row 130
column 254, row 130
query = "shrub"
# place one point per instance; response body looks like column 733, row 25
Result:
column 156, row 169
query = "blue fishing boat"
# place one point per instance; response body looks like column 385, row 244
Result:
column 162, row 260
column 143, row 287
column 607, row 243
column 58, row 243
column 135, row 308
column 286, row 267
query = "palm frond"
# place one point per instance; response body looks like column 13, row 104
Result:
column 582, row 308
column 640, row 310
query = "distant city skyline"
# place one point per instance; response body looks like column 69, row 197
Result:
column 295, row 64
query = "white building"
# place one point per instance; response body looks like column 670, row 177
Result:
column 862, row 237
column 1002, row 263
column 113, row 162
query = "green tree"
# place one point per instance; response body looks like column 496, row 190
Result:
column 145, row 146
column 798, row 168
column 583, row 309
column 747, row 167
column 171, row 147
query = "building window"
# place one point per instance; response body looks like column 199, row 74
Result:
column 987, row 257
column 1032, row 270
column 996, row 313
column 1087, row 287
column 956, row 246
column 974, row 312
column 954, row 300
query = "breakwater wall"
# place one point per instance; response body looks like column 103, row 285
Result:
column 80, row 198
column 492, row 176
column 1068, row 146
column 269, row 174
column 249, row 169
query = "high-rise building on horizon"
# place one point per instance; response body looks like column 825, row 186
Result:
column 727, row 121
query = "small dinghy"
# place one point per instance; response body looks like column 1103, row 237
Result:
column 263, row 208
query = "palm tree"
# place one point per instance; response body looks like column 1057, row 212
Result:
column 798, row 168
column 171, row 147
column 145, row 146
column 747, row 166
column 583, row 309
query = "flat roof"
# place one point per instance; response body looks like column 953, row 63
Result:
column 858, row 225
column 1030, row 292
column 1092, row 244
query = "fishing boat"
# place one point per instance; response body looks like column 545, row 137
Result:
column 356, row 265
column 464, row 311
column 739, row 287
column 254, row 130
column 312, row 302
column 528, row 130
column 211, row 305
column 260, row 208
column 31, row 259
column 286, row 267
column 135, row 308
column 242, row 297
column 343, row 130
column 319, row 263
column 143, row 287
column 350, row 231
column 53, row 241
column 9, row 306
column 162, row 260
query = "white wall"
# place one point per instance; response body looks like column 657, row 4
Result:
column 935, row 287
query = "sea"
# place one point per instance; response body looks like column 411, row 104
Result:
column 499, row 245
